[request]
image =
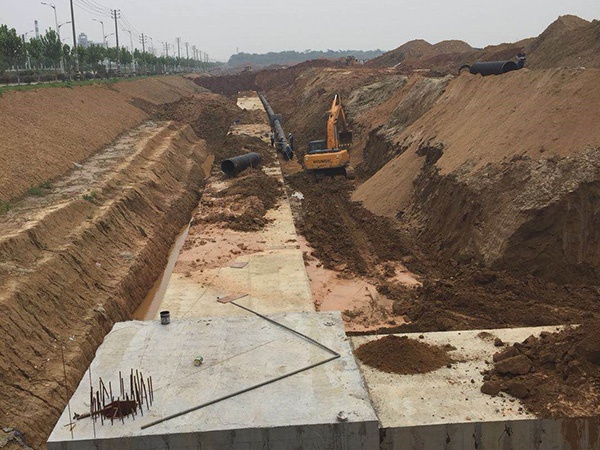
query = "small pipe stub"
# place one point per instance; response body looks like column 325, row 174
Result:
column 165, row 317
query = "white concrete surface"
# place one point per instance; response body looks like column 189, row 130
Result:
column 296, row 412
column 446, row 409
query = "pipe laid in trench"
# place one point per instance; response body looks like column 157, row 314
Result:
column 237, row 164
column 276, row 122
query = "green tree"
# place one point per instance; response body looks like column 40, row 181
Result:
column 52, row 48
column 12, row 48
column 94, row 56
column 125, row 56
column 35, row 48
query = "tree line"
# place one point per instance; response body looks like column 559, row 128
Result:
column 46, row 57
column 294, row 57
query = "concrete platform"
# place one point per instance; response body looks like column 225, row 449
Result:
column 296, row 412
column 445, row 409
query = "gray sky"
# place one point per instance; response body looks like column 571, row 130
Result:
column 258, row 26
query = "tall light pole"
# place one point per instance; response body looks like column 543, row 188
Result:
column 53, row 6
column 101, row 23
column 58, row 27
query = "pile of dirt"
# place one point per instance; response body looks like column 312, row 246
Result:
column 235, row 145
column 39, row 145
column 211, row 122
column 461, row 296
column 401, row 355
column 243, row 205
column 555, row 375
column 568, row 42
column 345, row 236
column 463, row 165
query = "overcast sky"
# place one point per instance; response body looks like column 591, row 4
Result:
column 220, row 27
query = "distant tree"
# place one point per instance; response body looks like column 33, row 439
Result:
column 52, row 48
column 35, row 48
column 94, row 55
column 125, row 56
column 12, row 48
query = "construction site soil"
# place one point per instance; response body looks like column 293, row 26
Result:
column 476, row 206
column 554, row 375
column 399, row 354
column 242, row 206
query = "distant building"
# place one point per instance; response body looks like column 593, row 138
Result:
column 82, row 40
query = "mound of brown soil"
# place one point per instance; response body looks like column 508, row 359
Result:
column 399, row 354
column 235, row 145
column 555, row 375
column 342, row 232
column 242, row 206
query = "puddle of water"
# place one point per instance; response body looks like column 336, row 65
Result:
column 151, row 304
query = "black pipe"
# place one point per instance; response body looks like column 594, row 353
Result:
column 276, row 122
column 493, row 67
column 233, row 166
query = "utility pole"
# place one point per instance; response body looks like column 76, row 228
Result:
column 116, row 14
column 143, row 57
column 179, row 48
column 187, row 56
column 143, row 42
column 74, row 39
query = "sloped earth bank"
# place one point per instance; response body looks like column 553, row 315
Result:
column 45, row 131
column 83, row 252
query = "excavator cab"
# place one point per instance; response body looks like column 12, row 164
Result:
column 330, row 156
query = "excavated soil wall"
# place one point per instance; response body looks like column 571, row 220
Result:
column 44, row 131
column 78, row 256
column 501, row 171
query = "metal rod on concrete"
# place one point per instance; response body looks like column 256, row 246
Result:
column 309, row 339
column 335, row 356
column 235, row 394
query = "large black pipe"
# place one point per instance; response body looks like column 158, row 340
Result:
column 276, row 122
column 233, row 166
column 493, row 67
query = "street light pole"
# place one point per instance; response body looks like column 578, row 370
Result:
column 53, row 6
column 101, row 23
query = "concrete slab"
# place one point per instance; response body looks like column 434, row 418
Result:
column 275, row 281
column 296, row 412
column 445, row 408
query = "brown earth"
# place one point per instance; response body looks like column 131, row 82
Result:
column 39, row 144
column 555, row 375
column 399, row 354
column 80, row 258
column 568, row 42
column 527, row 164
column 243, row 204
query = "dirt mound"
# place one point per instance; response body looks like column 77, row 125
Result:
column 344, row 235
column 483, row 158
column 399, row 354
column 464, row 297
column 555, row 375
column 243, row 204
column 211, row 122
column 568, row 42
column 39, row 145
column 235, row 145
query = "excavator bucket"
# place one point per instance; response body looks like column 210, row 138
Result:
column 345, row 139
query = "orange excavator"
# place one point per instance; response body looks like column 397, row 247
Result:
column 330, row 157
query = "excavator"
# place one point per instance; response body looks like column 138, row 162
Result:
column 330, row 157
